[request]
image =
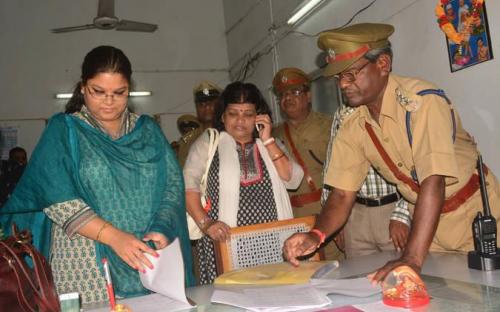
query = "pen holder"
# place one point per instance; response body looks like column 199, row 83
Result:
column 70, row 302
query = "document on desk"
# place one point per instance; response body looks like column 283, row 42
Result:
column 276, row 299
column 379, row 306
column 149, row 303
column 355, row 287
column 167, row 276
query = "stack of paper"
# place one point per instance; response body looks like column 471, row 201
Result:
column 280, row 298
column 354, row 287
column 166, row 279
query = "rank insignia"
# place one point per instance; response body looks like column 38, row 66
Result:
column 410, row 102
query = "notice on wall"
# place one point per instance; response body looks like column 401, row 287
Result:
column 8, row 140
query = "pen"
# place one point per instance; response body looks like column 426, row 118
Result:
column 109, row 284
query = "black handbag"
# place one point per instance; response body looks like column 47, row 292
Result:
column 22, row 288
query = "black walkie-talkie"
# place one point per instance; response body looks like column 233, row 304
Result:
column 484, row 227
column 484, row 230
column 485, row 234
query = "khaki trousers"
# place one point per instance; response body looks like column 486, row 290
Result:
column 367, row 230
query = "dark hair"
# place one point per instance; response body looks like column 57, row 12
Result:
column 103, row 59
column 373, row 54
column 15, row 150
column 238, row 93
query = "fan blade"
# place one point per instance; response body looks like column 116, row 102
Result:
column 125, row 25
column 106, row 8
column 72, row 28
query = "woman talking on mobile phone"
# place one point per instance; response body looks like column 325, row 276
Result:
column 247, row 177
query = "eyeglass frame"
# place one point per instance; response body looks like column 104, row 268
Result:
column 292, row 92
column 354, row 72
column 114, row 96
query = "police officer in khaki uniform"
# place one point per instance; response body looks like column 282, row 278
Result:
column 205, row 95
column 409, row 131
column 305, row 134
column 186, row 124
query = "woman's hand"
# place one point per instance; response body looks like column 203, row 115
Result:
column 158, row 239
column 266, row 126
column 129, row 248
column 217, row 230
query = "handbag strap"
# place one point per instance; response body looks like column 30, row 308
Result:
column 49, row 300
column 44, row 292
column 21, row 273
column 213, row 142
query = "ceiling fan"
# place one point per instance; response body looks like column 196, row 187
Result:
column 106, row 19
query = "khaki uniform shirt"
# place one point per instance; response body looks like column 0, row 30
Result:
column 433, row 151
column 311, row 140
column 185, row 143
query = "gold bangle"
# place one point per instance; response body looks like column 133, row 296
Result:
column 277, row 156
column 98, row 237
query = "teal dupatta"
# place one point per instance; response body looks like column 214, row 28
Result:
column 134, row 182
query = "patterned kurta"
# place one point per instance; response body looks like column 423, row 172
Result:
column 73, row 256
column 256, row 202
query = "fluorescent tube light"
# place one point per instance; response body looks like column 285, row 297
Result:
column 63, row 95
column 140, row 93
column 303, row 10
column 131, row 94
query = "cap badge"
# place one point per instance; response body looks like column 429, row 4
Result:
column 206, row 92
column 284, row 79
column 331, row 55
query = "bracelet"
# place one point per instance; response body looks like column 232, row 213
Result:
column 268, row 141
column 98, row 237
column 320, row 234
column 277, row 156
column 203, row 222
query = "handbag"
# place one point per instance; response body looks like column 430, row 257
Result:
column 213, row 140
column 22, row 288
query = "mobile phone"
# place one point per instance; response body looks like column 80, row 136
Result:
column 259, row 127
column 484, row 229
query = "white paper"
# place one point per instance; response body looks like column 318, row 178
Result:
column 149, row 303
column 167, row 276
column 281, row 298
column 377, row 306
column 355, row 287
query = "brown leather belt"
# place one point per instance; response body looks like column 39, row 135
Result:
column 460, row 197
column 376, row 202
column 304, row 199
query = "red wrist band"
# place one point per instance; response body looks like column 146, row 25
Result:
column 320, row 234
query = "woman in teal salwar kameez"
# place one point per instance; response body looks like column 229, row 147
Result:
column 102, row 182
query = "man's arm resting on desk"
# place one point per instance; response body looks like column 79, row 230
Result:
column 331, row 219
column 425, row 221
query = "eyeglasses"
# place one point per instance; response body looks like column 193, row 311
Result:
column 292, row 92
column 101, row 95
column 351, row 75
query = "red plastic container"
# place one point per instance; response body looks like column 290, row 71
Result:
column 404, row 288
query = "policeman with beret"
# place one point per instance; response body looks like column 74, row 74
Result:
column 409, row 131
column 205, row 94
column 304, row 135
